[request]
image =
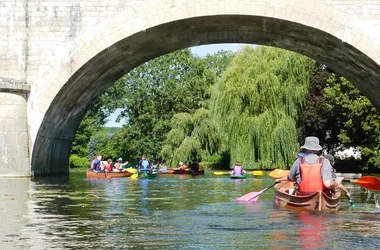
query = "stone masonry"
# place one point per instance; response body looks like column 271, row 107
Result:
column 56, row 56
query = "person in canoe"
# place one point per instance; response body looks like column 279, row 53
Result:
column 120, row 166
column 332, row 162
column 182, row 166
column 95, row 164
column 194, row 167
column 162, row 168
column 238, row 170
column 311, row 173
column 109, row 166
column 144, row 164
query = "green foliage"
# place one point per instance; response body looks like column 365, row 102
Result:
column 192, row 137
column 257, row 102
column 151, row 94
column 356, row 121
column 316, row 118
column 76, row 161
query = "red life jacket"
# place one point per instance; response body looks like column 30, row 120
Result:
column 109, row 167
column 311, row 179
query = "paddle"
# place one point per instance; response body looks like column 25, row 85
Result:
column 222, row 173
column 257, row 172
column 278, row 173
column 131, row 170
column 134, row 176
column 253, row 196
column 367, row 182
column 350, row 200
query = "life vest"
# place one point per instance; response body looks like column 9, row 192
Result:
column 237, row 170
column 311, row 179
column 145, row 165
column 109, row 167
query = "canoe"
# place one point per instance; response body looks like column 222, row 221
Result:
column 91, row 174
column 317, row 201
column 243, row 176
column 178, row 171
column 147, row 175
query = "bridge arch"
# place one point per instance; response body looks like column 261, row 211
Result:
column 62, row 94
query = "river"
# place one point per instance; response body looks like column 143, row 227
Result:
column 174, row 212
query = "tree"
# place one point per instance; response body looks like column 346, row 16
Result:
column 315, row 118
column 257, row 102
column 192, row 137
column 157, row 90
column 356, row 120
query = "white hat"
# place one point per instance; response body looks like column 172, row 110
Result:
column 312, row 143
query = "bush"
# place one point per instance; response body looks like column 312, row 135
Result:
column 78, row 162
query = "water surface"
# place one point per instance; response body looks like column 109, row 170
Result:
column 174, row 212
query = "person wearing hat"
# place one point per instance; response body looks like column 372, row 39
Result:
column 311, row 172
column 119, row 165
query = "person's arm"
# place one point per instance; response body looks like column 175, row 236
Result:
column 327, row 176
column 292, row 176
column 340, row 186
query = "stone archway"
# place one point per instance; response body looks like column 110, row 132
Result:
column 61, row 96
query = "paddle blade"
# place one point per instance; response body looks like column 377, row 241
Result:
column 257, row 172
column 135, row 176
column 369, row 182
column 253, row 196
column 131, row 170
column 220, row 173
column 278, row 173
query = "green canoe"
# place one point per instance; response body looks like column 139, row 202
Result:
column 243, row 176
column 147, row 175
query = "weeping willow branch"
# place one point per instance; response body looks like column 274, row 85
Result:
column 256, row 104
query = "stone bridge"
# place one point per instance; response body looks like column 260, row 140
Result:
column 57, row 56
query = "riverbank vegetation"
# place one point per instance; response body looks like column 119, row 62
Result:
column 255, row 106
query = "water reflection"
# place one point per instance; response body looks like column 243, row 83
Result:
column 178, row 212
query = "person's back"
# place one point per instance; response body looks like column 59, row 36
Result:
column 311, row 172
column 238, row 169
column 95, row 164
column 109, row 165
column 194, row 167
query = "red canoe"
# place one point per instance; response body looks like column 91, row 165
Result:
column 91, row 174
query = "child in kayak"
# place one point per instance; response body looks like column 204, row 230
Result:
column 238, row 169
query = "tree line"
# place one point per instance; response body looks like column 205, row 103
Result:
column 255, row 106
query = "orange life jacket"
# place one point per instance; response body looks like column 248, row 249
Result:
column 311, row 179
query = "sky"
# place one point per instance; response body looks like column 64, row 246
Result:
column 198, row 50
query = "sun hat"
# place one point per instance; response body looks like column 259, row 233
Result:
column 312, row 143
column 119, row 159
column 181, row 163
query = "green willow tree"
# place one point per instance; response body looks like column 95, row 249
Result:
column 257, row 103
column 192, row 137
